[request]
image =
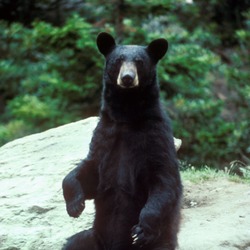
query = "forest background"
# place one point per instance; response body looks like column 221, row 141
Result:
column 51, row 71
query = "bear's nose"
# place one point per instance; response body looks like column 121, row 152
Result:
column 128, row 79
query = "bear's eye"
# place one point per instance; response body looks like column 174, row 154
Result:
column 139, row 62
column 118, row 61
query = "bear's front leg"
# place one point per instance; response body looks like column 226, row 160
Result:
column 159, row 218
column 73, row 194
column 80, row 184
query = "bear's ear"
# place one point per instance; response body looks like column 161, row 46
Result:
column 105, row 43
column 157, row 49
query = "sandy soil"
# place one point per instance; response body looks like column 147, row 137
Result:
column 216, row 214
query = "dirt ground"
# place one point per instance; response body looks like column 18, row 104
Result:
column 216, row 215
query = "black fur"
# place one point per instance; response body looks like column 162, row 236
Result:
column 131, row 170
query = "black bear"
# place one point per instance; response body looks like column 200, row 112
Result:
column 131, row 170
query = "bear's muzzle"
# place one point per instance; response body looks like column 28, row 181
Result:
column 128, row 77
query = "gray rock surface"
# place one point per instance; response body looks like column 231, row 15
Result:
column 33, row 214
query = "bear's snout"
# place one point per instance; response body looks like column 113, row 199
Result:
column 128, row 77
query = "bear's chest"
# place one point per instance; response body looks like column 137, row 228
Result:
column 123, row 166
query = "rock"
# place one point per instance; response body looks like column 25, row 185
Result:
column 33, row 214
column 177, row 143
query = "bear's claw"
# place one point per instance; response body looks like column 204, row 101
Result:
column 138, row 236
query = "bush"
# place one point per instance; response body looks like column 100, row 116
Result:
column 188, row 76
column 47, row 74
column 52, row 75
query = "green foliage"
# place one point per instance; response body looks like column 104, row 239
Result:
column 206, row 134
column 238, row 77
column 47, row 74
column 14, row 129
column 202, row 174
column 186, row 76
column 205, row 173
column 220, row 18
column 52, row 75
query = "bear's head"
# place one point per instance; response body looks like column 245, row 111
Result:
column 130, row 66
